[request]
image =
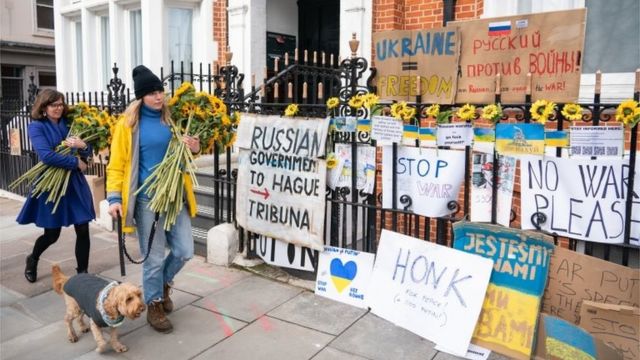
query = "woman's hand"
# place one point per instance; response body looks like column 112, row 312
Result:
column 192, row 142
column 115, row 209
column 75, row 142
column 82, row 166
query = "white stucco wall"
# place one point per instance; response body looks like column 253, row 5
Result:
column 18, row 23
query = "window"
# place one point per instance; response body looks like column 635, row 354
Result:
column 135, row 24
column 44, row 14
column 79, row 60
column 180, row 35
column 106, row 49
column 12, row 88
column 46, row 79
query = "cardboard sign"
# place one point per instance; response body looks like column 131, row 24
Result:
column 559, row 339
column 431, row 178
column 581, row 199
column 455, row 135
column 431, row 290
column 600, row 141
column 520, row 139
column 507, row 323
column 549, row 46
column 617, row 325
column 574, row 277
column 482, row 188
column 344, row 275
column 281, row 181
column 282, row 254
column 403, row 55
column 14, row 142
column 386, row 130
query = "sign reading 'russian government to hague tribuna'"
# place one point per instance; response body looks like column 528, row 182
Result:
column 281, row 180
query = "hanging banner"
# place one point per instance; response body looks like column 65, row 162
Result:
column 580, row 198
column 344, row 275
column 287, row 255
column 403, row 55
column 575, row 278
column 431, row 178
column 431, row 290
column 482, row 188
column 547, row 45
column 281, row 180
column 507, row 323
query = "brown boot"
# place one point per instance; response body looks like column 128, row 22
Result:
column 157, row 319
column 167, row 303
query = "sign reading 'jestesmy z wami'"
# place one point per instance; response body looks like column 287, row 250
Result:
column 281, row 180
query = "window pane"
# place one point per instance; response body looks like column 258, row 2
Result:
column 106, row 49
column 136, row 37
column 46, row 79
column 79, row 59
column 45, row 17
column 179, row 31
column 45, row 2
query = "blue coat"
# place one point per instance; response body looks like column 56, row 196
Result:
column 76, row 206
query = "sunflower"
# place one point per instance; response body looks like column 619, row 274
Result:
column 332, row 160
column 408, row 113
column 397, row 109
column 628, row 113
column 467, row 112
column 333, row 103
column 541, row 110
column 433, row 110
column 226, row 120
column 185, row 87
column 572, row 112
column 370, row 100
column 356, row 101
column 291, row 110
column 492, row 112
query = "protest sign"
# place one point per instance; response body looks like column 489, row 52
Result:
column 431, row 178
column 617, row 325
column 281, row 181
column 507, row 323
column 14, row 142
column 340, row 176
column 580, row 198
column 386, row 130
column 429, row 289
column 402, row 55
column 547, row 45
column 574, row 277
column 482, row 188
column 588, row 141
column 454, row 135
column 344, row 275
column 559, row 339
column 520, row 139
column 283, row 254
column 474, row 352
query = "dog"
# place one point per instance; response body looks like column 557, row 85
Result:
column 106, row 304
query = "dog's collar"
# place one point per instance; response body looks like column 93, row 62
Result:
column 101, row 298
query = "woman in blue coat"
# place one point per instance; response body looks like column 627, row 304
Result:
column 49, row 129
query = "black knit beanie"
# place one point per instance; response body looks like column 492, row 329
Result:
column 144, row 81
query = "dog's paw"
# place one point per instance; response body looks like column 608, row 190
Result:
column 120, row 348
column 101, row 349
column 85, row 329
column 73, row 338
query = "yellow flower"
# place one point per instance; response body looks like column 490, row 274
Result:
column 467, row 112
column 628, row 113
column 174, row 99
column 333, row 103
column 492, row 112
column 218, row 106
column 541, row 110
column 397, row 109
column 226, row 121
column 408, row 113
column 356, row 101
column 572, row 112
column 184, row 88
column 433, row 110
column 332, row 161
column 370, row 100
column 291, row 110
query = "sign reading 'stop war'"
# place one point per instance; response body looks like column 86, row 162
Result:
column 403, row 55
column 547, row 45
column 281, row 180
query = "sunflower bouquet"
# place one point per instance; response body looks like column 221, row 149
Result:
column 628, row 113
column 195, row 114
column 88, row 124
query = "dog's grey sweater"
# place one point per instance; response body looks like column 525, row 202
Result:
column 85, row 289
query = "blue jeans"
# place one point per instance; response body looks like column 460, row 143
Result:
column 158, row 270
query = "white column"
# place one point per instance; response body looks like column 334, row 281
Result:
column 90, row 71
column 238, row 33
column 248, row 37
column 356, row 17
column 205, row 48
column 64, row 75
column 116, row 36
column 153, row 35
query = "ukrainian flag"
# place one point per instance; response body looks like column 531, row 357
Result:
column 556, row 138
column 427, row 134
column 364, row 124
column 410, row 132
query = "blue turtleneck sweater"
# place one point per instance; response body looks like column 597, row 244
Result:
column 154, row 140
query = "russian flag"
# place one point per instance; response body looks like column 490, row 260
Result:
column 500, row 28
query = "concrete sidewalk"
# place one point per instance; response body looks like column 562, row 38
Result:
column 221, row 313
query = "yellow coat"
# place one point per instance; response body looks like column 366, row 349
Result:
column 121, row 166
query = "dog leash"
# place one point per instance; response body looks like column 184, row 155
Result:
column 122, row 248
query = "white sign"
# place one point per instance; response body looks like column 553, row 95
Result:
column 340, row 176
column 344, row 275
column 282, row 254
column 454, row 135
column 345, row 123
column 429, row 289
column 281, row 181
column 431, row 178
column 386, row 130
column 474, row 352
column 482, row 188
column 582, row 199
column 600, row 141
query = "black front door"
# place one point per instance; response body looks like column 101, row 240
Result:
column 319, row 27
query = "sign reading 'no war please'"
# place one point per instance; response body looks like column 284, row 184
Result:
column 431, row 290
column 281, row 180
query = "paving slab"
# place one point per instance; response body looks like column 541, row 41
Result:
column 47, row 307
column 12, row 247
column 249, row 299
column 375, row 338
column 195, row 330
column 202, row 279
column 330, row 353
column 133, row 272
column 12, row 276
column 8, row 296
column 14, row 323
column 318, row 313
column 269, row 338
